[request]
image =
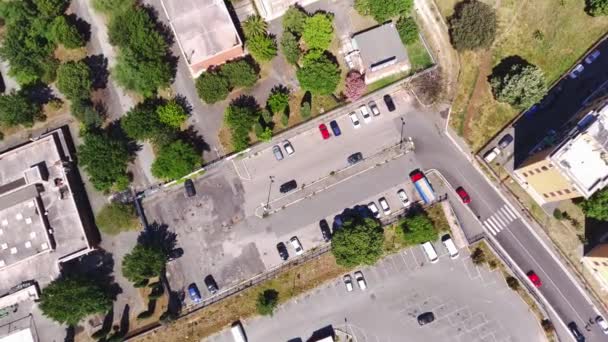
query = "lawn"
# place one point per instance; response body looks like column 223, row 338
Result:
column 419, row 56
column 550, row 34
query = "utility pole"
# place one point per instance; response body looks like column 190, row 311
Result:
column 267, row 207
column 401, row 138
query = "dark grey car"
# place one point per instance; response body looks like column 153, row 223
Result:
column 426, row 318
column 505, row 141
column 211, row 284
column 276, row 150
column 355, row 158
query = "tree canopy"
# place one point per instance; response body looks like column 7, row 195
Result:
column 68, row 300
column 239, row 73
column 318, row 31
column 142, row 122
column 318, row 74
column 17, row 109
column 144, row 262
column 74, row 80
column 267, row 301
column 473, row 25
column 212, row 86
column 408, row 30
column 294, row 20
column 62, row 32
column 116, row 217
column 521, row 85
column 172, row 114
column 290, row 47
column 262, row 48
column 84, row 111
column 596, row 7
column 254, row 26
column 358, row 241
column 175, row 160
column 355, row 86
column 51, row 8
column 105, row 160
column 597, row 205
column 418, row 229
column 278, row 100
column 240, row 118
column 383, row 10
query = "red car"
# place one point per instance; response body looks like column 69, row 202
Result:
column 324, row 131
column 464, row 195
column 534, row 279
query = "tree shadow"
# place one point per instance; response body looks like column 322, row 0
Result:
column 70, row 334
column 307, row 98
column 115, row 131
column 505, row 65
column 99, row 70
column 2, row 84
column 98, row 266
column 124, row 321
column 158, row 235
column 164, row 30
column 191, row 136
column 184, row 103
column 81, row 25
column 246, row 101
column 39, row 93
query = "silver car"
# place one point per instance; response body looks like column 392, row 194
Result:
column 276, row 150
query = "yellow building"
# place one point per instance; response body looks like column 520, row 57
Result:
column 596, row 262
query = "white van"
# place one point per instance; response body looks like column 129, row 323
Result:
column 490, row 156
column 238, row 334
column 429, row 250
column 450, row 246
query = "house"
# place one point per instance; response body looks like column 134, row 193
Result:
column 596, row 261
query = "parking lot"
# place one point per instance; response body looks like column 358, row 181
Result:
column 470, row 304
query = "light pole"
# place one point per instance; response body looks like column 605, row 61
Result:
column 267, row 207
column 401, row 139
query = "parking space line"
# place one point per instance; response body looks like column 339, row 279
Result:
column 403, row 258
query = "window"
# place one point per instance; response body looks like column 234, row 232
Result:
column 544, row 168
column 567, row 191
column 531, row 172
column 604, row 263
column 537, row 170
column 546, row 196
column 551, row 165
column 525, row 174
column 559, row 192
column 552, row 194
column 596, row 263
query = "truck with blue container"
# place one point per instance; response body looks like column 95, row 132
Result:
column 424, row 188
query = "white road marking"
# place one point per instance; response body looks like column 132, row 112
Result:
column 499, row 219
column 492, row 230
column 512, row 214
column 503, row 214
column 494, row 222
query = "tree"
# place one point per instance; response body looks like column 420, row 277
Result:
column 74, row 80
column 212, row 87
column 290, row 47
column 140, row 74
column 358, row 241
column 383, row 10
column 418, row 229
column 172, row 114
column 473, row 26
column 262, row 48
column 521, row 85
column 116, row 217
column 596, row 206
column 239, row 118
column 319, row 75
column 318, row 31
column 254, row 26
column 65, row 33
column 144, row 262
column 17, row 109
column 267, row 302
column 596, row 7
column 84, row 111
column 142, row 122
column 68, row 300
column 175, row 160
column 51, row 8
column 105, row 160
column 278, row 101
column 478, row 256
column 408, row 30
column 355, row 86
column 239, row 73
column 294, row 20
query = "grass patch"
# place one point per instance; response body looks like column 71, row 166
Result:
column 437, row 216
column 419, row 56
column 386, row 81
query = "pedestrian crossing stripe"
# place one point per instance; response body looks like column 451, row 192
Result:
column 500, row 219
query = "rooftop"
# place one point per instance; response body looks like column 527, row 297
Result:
column 380, row 47
column 583, row 156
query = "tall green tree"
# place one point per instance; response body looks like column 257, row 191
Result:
column 142, row 122
column 408, row 30
column 358, row 241
column 473, row 26
column 142, row 75
column 74, row 80
column 319, row 75
column 175, row 160
column 418, row 229
column 62, row 32
column 212, row 87
column 68, row 300
column 262, row 48
column 240, row 119
column 294, row 20
column 318, row 31
column 144, row 262
column 239, row 73
column 105, row 160
column 597, row 205
column 254, row 26
column 17, row 109
column 596, row 7
column 383, row 10
column 172, row 114
column 51, row 8
column 290, row 47
column 278, row 101
column 521, row 86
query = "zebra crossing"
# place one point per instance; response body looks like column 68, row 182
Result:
column 500, row 219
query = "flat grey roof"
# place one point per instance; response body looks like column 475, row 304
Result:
column 380, row 45
column 203, row 28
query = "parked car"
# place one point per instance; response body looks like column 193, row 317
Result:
column 288, row 147
column 360, row 280
column 430, row 252
column 374, row 209
column 505, row 141
column 403, row 198
column 390, row 105
column 276, row 150
column 575, row 332
column 464, row 195
column 189, row 188
column 288, row 186
column 365, row 114
column 354, row 119
column 577, row 71
column 348, row 282
column 325, row 231
column 282, row 251
column 354, row 158
column 295, row 243
column 384, row 205
column 601, row 322
column 592, row 56
column 450, row 246
column 426, row 318
column 374, row 108
column 491, row 155
column 194, row 293
column 324, row 131
column 335, row 128
column 534, row 279
column 211, row 284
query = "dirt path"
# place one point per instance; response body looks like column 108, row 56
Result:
column 476, row 96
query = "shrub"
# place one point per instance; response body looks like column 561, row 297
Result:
column 521, row 85
column 175, row 160
column 478, row 256
column 547, row 325
column 115, row 218
column 51, row 8
column 265, row 135
column 212, row 87
column 319, row 74
column 557, row 214
column 262, row 48
column 408, row 30
column 86, row 113
column 358, row 241
column 383, row 10
column 355, row 86
column 294, row 20
column 418, row 229
column 172, row 114
column 290, row 47
column 74, row 80
column 65, row 33
column 240, row 118
column 17, row 109
column 318, row 31
column 267, row 302
column 285, row 119
column 305, row 111
column 473, row 25
column 512, row 282
column 254, row 26
column 278, row 101
column 596, row 7
column 239, row 73
column 596, row 206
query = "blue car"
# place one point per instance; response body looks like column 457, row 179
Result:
column 195, row 295
column 335, row 128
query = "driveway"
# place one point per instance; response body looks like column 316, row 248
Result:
column 470, row 304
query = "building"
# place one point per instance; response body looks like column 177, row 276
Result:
column 272, row 9
column 575, row 166
column 596, row 261
column 380, row 52
column 204, row 32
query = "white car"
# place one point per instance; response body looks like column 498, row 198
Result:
column 360, row 280
column 367, row 117
column 374, row 209
column 348, row 282
column 374, row 108
column 288, row 147
column 602, row 324
column 577, row 71
column 491, row 155
column 355, row 120
column 403, row 198
column 592, row 56
column 295, row 243
column 384, row 205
